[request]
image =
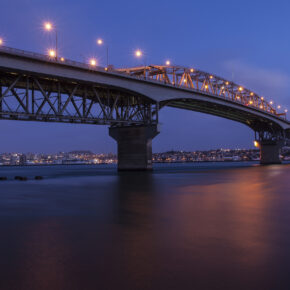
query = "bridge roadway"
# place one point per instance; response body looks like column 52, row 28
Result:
column 34, row 87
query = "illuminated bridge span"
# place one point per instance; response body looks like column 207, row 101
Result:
column 34, row 87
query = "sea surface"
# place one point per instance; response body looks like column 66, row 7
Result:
column 182, row 226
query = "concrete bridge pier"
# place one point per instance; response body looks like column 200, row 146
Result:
column 269, row 152
column 134, row 146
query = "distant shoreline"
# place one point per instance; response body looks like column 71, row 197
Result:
column 175, row 162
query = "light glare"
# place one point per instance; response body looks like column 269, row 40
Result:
column 99, row 41
column 93, row 62
column 47, row 26
column 52, row 53
column 138, row 53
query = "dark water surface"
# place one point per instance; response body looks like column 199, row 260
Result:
column 193, row 226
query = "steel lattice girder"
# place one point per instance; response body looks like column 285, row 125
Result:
column 201, row 81
column 25, row 97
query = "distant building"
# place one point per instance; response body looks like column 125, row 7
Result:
column 22, row 159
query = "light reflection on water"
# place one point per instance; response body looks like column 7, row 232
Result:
column 204, row 226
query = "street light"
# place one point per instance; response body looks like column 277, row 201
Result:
column 93, row 62
column 138, row 53
column 167, row 62
column 100, row 42
column 1, row 41
column 49, row 27
column 52, row 53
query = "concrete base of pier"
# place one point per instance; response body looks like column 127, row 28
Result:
column 269, row 152
column 134, row 146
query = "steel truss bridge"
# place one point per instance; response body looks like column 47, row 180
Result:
column 34, row 87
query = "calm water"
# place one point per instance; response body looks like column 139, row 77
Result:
column 193, row 226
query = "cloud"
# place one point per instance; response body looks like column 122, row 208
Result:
column 271, row 83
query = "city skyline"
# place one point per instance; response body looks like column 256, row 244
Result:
column 260, row 66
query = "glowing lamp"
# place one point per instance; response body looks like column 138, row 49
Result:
column 93, row 62
column 52, row 53
column 256, row 144
column 47, row 26
column 138, row 53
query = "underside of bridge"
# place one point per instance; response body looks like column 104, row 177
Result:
column 269, row 135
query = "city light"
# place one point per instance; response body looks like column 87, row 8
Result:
column 256, row 144
column 191, row 70
column 240, row 89
column 211, row 77
column 138, row 53
column 279, row 107
column 251, row 102
column 62, row 59
column 168, row 62
column 271, row 103
column 93, row 62
column 52, row 53
column 100, row 41
column 227, row 83
column 262, row 98
column 47, row 26
column 286, row 111
column 251, row 94
column 206, row 86
column 1, row 41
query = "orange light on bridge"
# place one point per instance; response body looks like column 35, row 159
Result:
column 240, row 89
column 206, row 86
column 62, row 59
column 251, row 94
column 52, row 53
column 167, row 62
column 211, row 77
column 191, row 70
column 93, row 62
column 138, row 53
column 47, row 26
column 279, row 107
column 227, row 83
column 256, row 144
column 251, row 102
column 261, row 107
column 262, row 98
column 1, row 41
column 271, row 103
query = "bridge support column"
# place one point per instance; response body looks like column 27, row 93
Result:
column 134, row 146
column 269, row 152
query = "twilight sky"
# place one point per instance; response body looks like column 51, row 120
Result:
column 245, row 41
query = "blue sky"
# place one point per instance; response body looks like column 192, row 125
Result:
column 245, row 41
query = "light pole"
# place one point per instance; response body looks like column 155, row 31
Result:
column 100, row 42
column 49, row 27
column 139, row 54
